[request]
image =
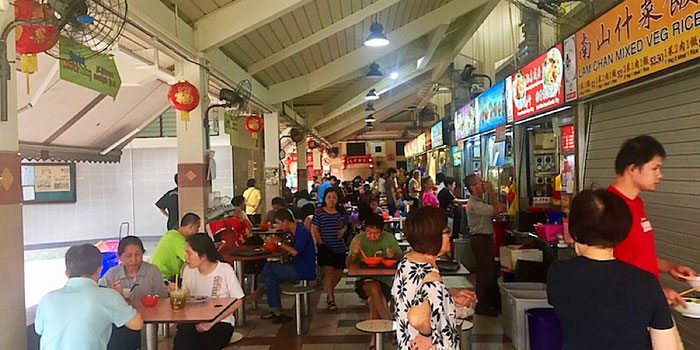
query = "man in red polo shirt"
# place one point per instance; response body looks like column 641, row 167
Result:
column 638, row 168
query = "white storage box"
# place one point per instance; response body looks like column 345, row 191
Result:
column 514, row 318
column 510, row 254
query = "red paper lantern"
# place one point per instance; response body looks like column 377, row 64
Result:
column 254, row 124
column 184, row 97
column 33, row 39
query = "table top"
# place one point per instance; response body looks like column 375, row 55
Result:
column 356, row 270
column 202, row 312
column 227, row 252
column 271, row 231
column 395, row 219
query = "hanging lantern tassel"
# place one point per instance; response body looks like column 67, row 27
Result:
column 254, row 124
column 254, row 136
column 31, row 39
column 28, row 65
column 184, row 97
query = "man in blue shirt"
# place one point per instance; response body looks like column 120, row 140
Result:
column 332, row 181
column 301, row 267
column 80, row 315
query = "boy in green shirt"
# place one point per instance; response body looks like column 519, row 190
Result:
column 169, row 254
column 376, row 290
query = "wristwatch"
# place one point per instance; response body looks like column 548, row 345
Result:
column 279, row 244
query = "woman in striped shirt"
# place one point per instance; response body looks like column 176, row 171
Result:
column 328, row 228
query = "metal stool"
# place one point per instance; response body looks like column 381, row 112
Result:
column 466, row 335
column 297, row 291
column 305, row 299
column 378, row 328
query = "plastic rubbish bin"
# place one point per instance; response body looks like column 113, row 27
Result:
column 505, row 288
column 544, row 329
column 514, row 318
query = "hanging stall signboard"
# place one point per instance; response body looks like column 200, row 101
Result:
column 420, row 143
column 538, row 86
column 466, row 123
column 568, row 143
column 97, row 73
column 570, row 87
column 436, row 136
column 634, row 39
column 491, row 108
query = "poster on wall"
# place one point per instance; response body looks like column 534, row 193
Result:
column 48, row 183
column 539, row 86
column 436, row 135
column 456, row 156
column 465, row 121
column 570, row 88
column 491, row 107
column 634, row 39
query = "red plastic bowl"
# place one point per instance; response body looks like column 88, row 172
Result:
column 264, row 227
column 372, row 261
column 271, row 247
column 149, row 300
column 389, row 262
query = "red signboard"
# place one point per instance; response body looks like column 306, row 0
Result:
column 568, row 142
column 358, row 160
column 539, row 86
column 427, row 140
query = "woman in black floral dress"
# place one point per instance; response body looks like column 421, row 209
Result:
column 426, row 315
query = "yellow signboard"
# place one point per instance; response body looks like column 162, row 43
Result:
column 634, row 39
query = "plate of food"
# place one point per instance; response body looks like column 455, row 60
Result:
column 552, row 68
column 692, row 309
column 197, row 299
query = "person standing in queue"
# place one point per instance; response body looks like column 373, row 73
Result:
column 328, row 227
column 390, row 190
column 414, row 188
column 168, row 205
column 480, row 216
column 602, row 302
column 638, row 168
column 253, row 198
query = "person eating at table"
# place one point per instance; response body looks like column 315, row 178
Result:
column 277, row 204
column 328, row 227
column 80, row 315
column 169, row 255
column 426, row 311
column 374, row 242
column 205, row 275
column 302, row 266
column 133, row 278
column 234, row 229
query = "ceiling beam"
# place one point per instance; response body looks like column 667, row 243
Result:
column 433, row 44
column 468, row 25
column 330, row 73
column 314, row 38
column 237, row 19
column 382, row 115
column 153, row 22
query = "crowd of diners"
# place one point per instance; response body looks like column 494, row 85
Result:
column 607, row 297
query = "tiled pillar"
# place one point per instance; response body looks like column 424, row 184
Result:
column 302, row 171
column 193, row 186
column 12, row 312
column 272, row 161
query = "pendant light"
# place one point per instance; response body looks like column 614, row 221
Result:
column 372, row 95
column 370, row 119
column 370, row 108
column 374, row 72
column 376, row 36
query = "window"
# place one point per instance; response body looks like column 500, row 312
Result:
column 399, row 148
column 355, row 149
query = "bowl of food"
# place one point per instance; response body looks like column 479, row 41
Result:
column 692, row 308
column 149, row 300
column 389, row 262
column 372, row 260
column 264, row 227
column 270, row 247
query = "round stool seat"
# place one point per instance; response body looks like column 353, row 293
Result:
column 236, row 337
column 466, row 325
column 297, row 289
column 376, row 326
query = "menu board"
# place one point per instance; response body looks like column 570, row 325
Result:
column 465, row 121
column 46, row 183
column 420, row 143
column 436, row 135
column 568, row 141
column 538, row 86
column 491, row 107
column 634, row 39
column 456, row 156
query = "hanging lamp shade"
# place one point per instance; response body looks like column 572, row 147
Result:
column 370, row 108
column 372, row 95
column 376, row 37
column 374, row 72
column 370, row 119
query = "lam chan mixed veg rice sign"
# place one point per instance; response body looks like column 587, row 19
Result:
column 538, row 86
column 634, row 39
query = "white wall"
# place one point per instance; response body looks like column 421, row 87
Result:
column 104, row 195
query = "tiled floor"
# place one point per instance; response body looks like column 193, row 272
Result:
column 327, row 330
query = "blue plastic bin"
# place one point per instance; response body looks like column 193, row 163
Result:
column 544, row 329
column 109, row 259
column 556, row 217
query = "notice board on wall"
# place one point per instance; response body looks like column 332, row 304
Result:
column 48, row 183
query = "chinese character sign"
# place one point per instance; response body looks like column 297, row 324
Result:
column 635, row 39
column 539, row 85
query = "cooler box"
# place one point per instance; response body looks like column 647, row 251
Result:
column 514, row 318
column 510, row 254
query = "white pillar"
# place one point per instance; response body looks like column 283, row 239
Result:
column 272, row 160
column 13, row 333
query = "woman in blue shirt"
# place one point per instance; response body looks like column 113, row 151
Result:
column 328, row 227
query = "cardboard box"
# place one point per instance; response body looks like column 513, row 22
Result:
column 510, row 254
